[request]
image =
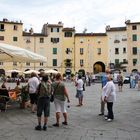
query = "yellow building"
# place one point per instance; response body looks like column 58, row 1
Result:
column 10, row 33
column 91, row 52
column 133, row 33
column 70, row 52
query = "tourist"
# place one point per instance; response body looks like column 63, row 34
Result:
column 79, row 90
column 104, row 82
column 110, row 97
column 43, row 104
column 120, row 81
column 33, row 83
column 60, row 95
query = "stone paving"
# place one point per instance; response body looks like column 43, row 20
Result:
column 84, row 122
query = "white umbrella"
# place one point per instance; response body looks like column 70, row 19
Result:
column 30, row 71
column 51, row 71
column 11, row 53
column 12, row 71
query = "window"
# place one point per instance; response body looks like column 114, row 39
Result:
column 54, row 62
column 134, row 27
column 81, row 50
column 54, row 50
column 14, row 63
column 1, row 27
column 68, row 34
column 124, row 50
column 116, row 61
column 1, row 63
column 54, row 29
column 116, row 50
column 125, row 61
column 134, row 37
column 54, row 40
column 99, row 50
column 15, row 27
column 15, row 38
column 68, row 50
column 1, row 37
column 41, row 40
column 41, row 63
column 134, row 50
column 134, row 62
column 81, row 62
column 27, row 63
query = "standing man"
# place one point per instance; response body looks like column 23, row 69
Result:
column 79, row 84
column 104, row 82
column 120, row 81
column 33, row 83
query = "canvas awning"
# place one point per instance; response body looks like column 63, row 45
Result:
column 10, row 53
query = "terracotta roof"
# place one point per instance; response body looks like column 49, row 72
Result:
column 90, row 34
column 115, row 29
column 34, row 34
column 68, row 29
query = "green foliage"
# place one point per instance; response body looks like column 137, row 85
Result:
column 24, row 93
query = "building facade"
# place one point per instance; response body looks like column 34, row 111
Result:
column 70, row 52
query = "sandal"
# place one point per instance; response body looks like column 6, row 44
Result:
column 56, row 125
column 65, row 123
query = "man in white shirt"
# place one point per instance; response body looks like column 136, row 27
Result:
column 79, row 84
column 33, row 83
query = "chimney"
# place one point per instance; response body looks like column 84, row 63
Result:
column 31, row 31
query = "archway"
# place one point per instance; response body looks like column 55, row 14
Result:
column 98, row 67
column 2, row 72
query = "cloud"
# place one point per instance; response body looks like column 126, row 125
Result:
column 91, row 14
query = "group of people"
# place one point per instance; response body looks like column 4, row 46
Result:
column 40, row 93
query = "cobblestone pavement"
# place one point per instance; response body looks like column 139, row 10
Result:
column 83, row 122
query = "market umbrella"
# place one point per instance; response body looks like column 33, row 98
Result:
column 14, row 71
column 51, row 71
column 9, row 53
column 30, row 71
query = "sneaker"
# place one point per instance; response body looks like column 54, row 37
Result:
column 101, row 114
column 106, row 118
column 109, row 120
column 65, row 123
column 38, row 127
column 56, row 125
column 44, row 127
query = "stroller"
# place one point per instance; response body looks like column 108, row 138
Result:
column 4, row 98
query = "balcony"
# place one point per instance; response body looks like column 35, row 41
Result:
column 116, row 41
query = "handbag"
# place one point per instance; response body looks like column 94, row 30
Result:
column 52, row 95
column 52, row 98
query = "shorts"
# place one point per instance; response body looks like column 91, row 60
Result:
column 79, row 94
column 43, row 105
column 120, row 83
column 60, row 106
column 33, row 98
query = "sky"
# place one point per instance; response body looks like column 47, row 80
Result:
column 93, row 15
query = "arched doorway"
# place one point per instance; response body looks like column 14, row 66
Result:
column 134, row 70
column 98, row 67
column 2, row 72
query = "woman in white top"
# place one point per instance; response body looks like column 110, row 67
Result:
column 110, row 97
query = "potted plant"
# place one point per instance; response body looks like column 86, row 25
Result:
column 24, row 96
